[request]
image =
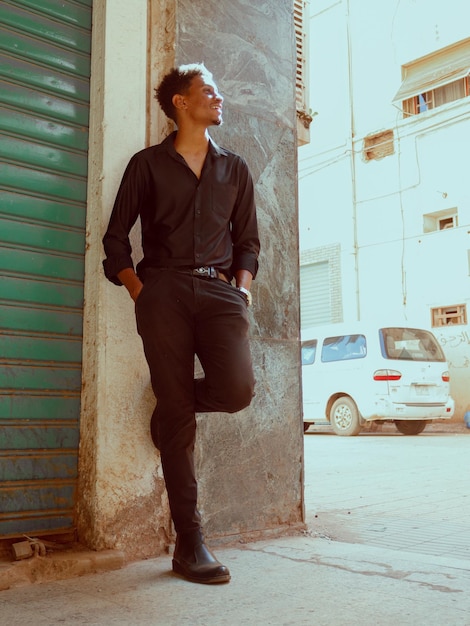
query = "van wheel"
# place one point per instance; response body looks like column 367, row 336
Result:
column 344, row 417
column 410, row 427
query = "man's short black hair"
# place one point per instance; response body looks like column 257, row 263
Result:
column 178, row 81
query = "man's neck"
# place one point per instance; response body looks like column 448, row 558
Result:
column 193, row 147
column 191, row 140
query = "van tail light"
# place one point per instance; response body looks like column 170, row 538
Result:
column 445, row 377
column 387, row 375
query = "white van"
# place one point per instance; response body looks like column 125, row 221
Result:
column 355, row 374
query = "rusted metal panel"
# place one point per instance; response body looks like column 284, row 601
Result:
column 44, row 105
column 39, row 408
column 44, row 436
column 25, row 291
column 46, row 506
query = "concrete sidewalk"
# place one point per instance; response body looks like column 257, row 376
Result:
column 287, row 581
column 387, row 545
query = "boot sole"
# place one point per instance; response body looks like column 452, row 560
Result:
column 210, row 580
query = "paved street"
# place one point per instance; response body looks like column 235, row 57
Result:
column 385, row 489
column 387, row 545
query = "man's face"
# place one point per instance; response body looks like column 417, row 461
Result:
column 204, row 102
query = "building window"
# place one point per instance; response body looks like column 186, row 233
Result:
column 449, row 315
column 436, row 97
column 321, row 299
column 315, row 294
column 378, row 146
column 435, row 80
column 440, row 220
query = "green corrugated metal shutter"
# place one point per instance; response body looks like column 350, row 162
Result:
column 44, row 105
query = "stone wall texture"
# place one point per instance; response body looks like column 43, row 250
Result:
column 250, row 464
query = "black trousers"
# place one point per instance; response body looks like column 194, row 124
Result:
column 179, row 316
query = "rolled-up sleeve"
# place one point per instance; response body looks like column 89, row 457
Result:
column 125, row 212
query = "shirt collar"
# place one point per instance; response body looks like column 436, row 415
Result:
column 214, row 148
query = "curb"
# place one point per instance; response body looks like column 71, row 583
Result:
column 60, row 566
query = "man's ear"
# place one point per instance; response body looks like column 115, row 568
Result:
column 178, row 101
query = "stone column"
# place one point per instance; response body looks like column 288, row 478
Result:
column 250, row 464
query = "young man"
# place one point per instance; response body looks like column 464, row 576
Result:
column 196, row 204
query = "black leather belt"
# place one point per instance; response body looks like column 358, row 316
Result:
column 208, row 272
column 205, row 272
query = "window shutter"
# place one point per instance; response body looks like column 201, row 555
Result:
column 315, row 294
column 435, row 70
column 300, row 91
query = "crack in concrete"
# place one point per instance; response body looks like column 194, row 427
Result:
column 389, row 572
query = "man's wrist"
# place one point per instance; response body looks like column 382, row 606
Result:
column 136, row 292
column 247, row 294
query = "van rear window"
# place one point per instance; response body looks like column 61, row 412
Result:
column 343, row 348
column 410, row 344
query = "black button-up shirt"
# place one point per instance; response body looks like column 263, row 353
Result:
column 186, row 222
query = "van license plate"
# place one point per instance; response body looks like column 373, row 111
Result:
column 422, row 391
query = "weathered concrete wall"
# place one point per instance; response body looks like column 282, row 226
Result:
column 249, row 464
column 122, row 500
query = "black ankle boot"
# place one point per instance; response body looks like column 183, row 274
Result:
column 194, row 561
